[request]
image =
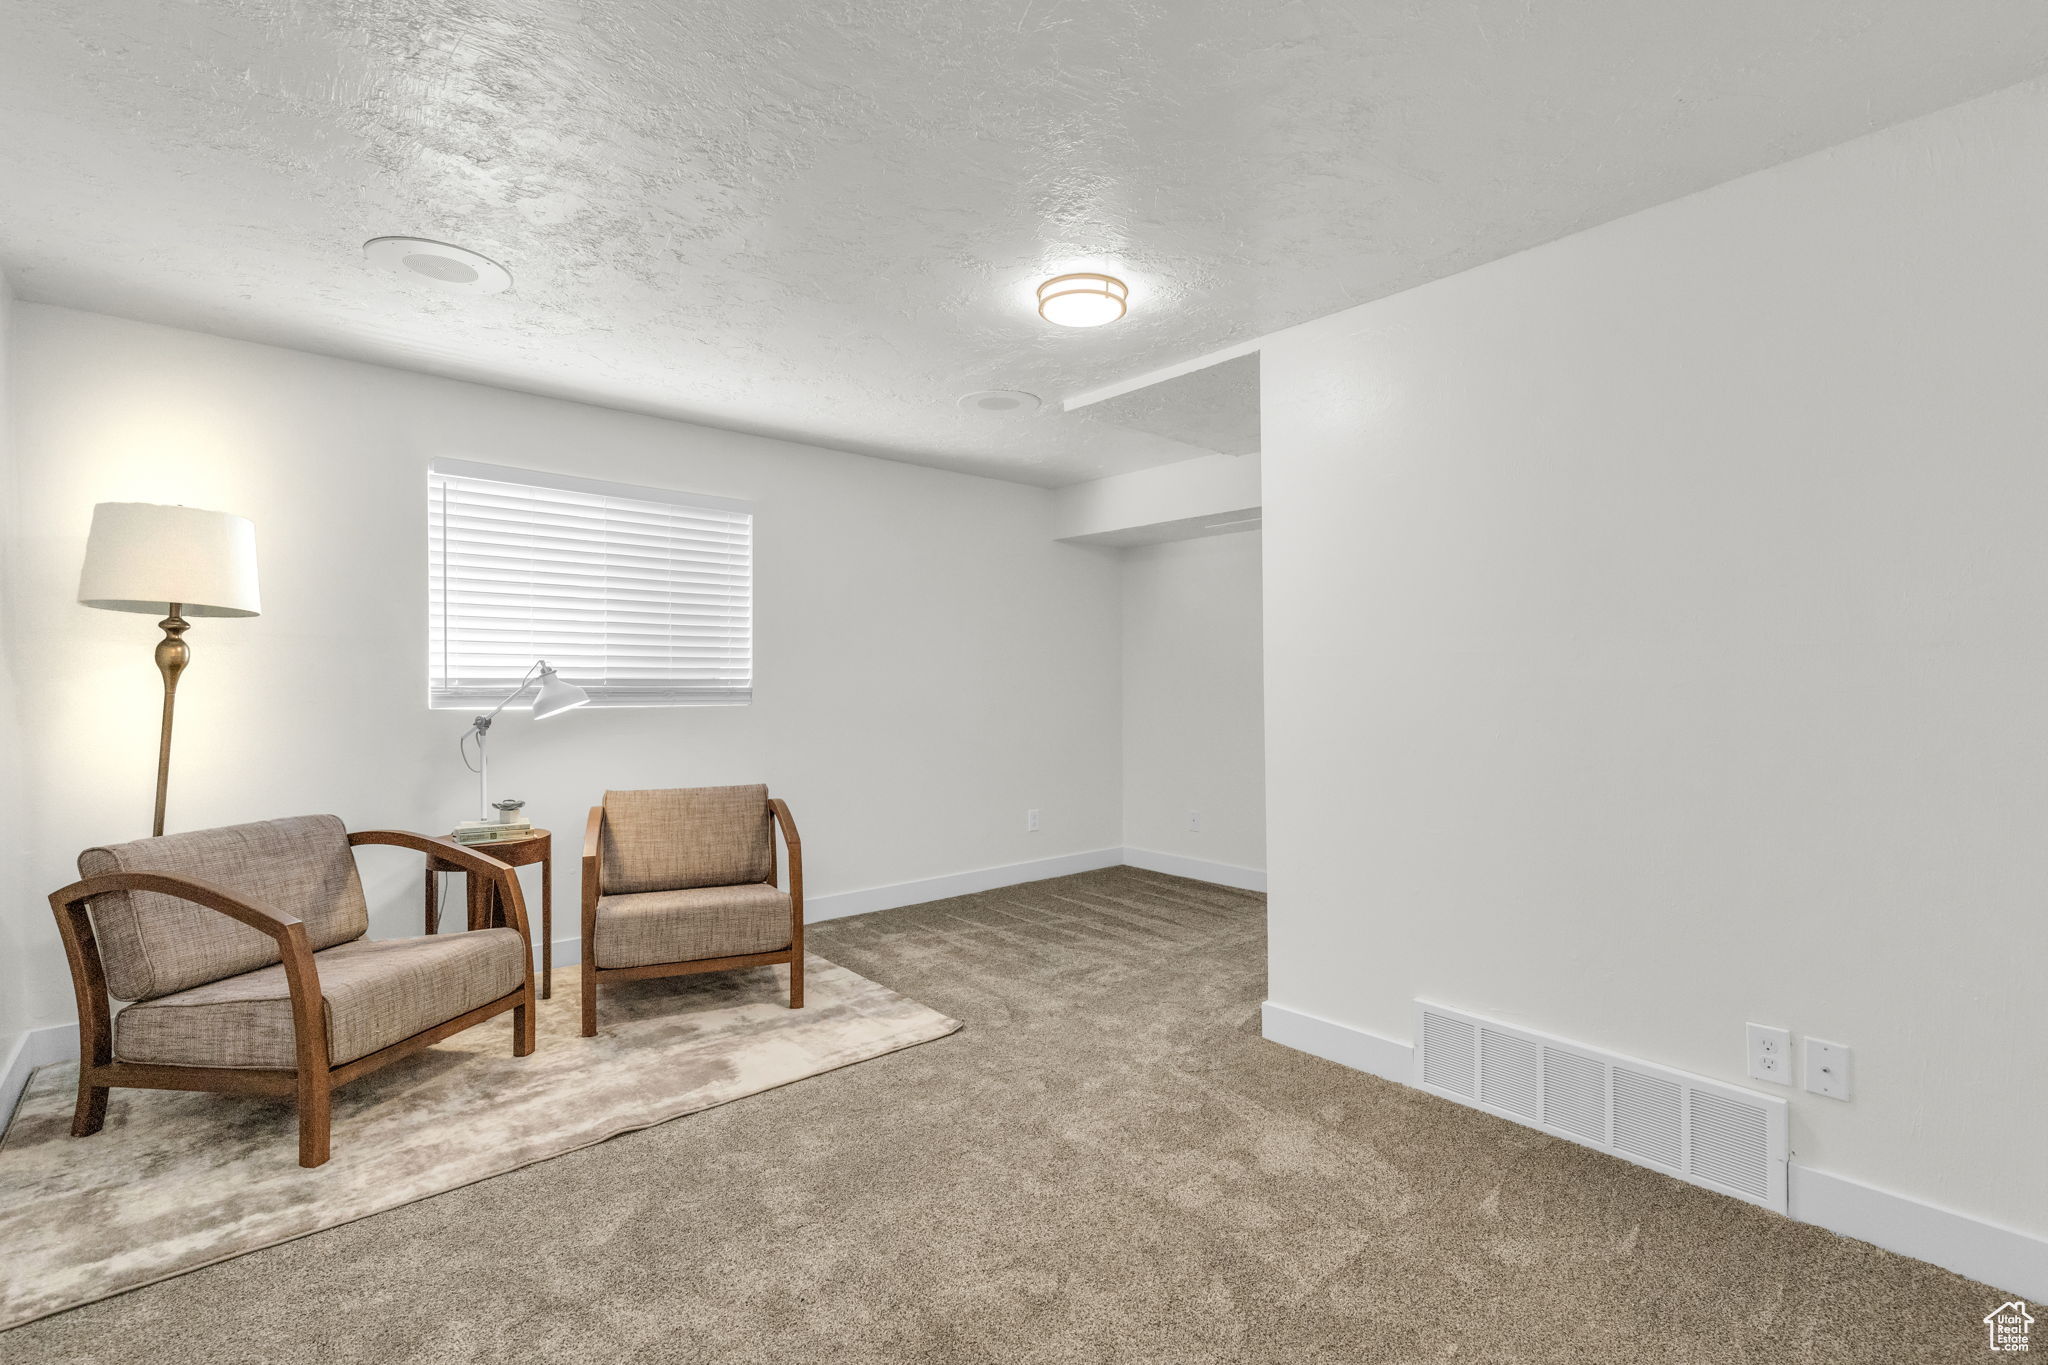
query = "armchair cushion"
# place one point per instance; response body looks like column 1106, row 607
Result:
column 690, row 924
column 378, row 992
column 153, row 945
column 683, row 837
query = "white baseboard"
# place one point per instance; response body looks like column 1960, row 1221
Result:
column 2010, row 1260
column 1201, row 869
column 1999, row 1256
column 34, row 1048
column 843, row 903
column 1339, row 1043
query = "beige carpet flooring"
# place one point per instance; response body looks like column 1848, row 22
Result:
column 1107, row 1165
column 179, row 1180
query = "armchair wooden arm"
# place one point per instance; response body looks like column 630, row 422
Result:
column 96, row 1034
column 511, row 903
column 275, row 923
column 593, row 838
column 593, row 871
column 502, row 876
column 787, row 822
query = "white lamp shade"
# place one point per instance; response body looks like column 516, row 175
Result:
column 556, row 696
column 143, row 557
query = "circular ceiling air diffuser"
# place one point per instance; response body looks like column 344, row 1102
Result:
column 453, row 268
column 1007, row 401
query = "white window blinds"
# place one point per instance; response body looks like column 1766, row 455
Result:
column 639, row 596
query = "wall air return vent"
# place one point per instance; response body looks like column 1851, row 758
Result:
column 1720, row 1136
column 1647, row 1124
column 1510, row 1077
column 1447, row 1057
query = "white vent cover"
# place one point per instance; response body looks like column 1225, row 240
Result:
column 1720, row 1136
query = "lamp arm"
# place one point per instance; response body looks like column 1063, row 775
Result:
column 510, row 697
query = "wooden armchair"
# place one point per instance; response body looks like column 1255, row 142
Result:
column 244, row 953
column 685, row 880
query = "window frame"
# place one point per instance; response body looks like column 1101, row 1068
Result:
column 438, row 697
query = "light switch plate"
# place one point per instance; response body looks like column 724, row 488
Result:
column 1827, row 1069
column 1770, row 1054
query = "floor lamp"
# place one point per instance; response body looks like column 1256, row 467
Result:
column 181, row 561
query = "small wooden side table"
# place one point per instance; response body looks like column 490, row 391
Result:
column 537, row 847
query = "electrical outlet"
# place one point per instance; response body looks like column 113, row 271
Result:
column 1770, row 1054
column 1031, row 821
column 1827, row 1069
column 1194, row 822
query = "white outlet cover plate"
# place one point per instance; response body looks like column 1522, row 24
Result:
column 1827, row 1069
column 1770, row 1054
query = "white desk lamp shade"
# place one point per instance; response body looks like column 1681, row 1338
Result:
column 556, row 696
column 142, row 557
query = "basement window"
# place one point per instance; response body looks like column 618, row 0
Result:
column 640, row 596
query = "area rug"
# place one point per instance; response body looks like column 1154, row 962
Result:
column 177, row 1181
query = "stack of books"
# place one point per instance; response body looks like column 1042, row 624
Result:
column 489, row 831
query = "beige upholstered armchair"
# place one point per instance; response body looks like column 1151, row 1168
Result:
column 244, row 953
column 685, row 881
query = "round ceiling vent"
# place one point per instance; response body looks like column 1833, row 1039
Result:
column 1000, row 401
column 456, row 269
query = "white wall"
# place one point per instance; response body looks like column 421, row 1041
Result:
column 1657, row 639
column 1192, row 679
column 929, row 663
column 18, row 902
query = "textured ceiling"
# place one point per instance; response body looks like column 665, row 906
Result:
column 823, row 221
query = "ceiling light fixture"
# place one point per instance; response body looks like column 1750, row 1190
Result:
column 453, row 268
column 1083, row 300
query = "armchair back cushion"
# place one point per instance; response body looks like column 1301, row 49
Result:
column 679, row 838
column 152, row 945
